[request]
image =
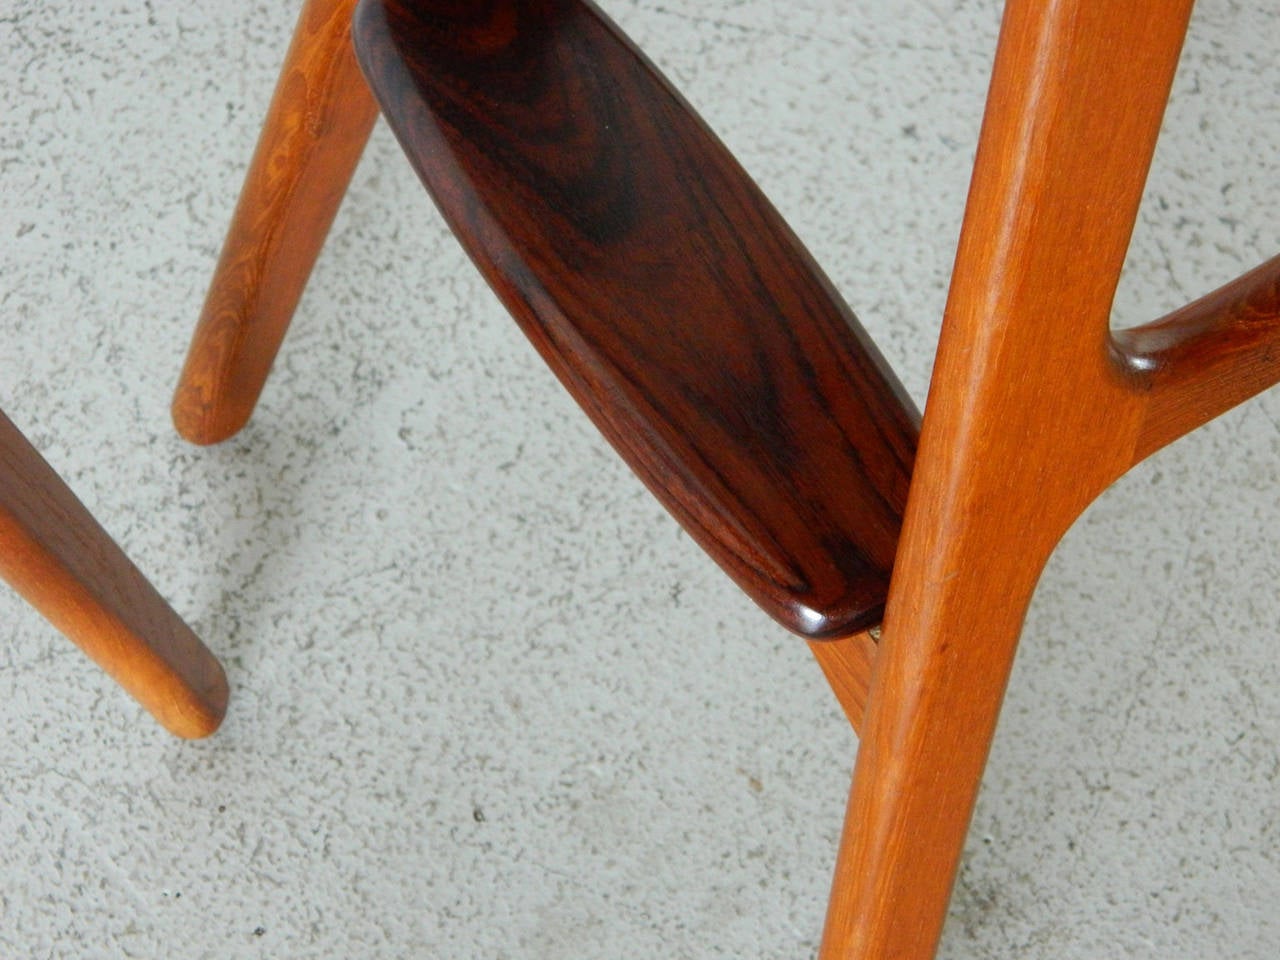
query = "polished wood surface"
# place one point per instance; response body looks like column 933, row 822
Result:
column 1202, row 360
column 55, row 555
column 662, row 288
column 699, row 336
column 1029, row 417
column 315, row 131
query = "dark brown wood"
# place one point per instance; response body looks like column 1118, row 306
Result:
column 1205, row 358
column 662, row 288
column 57, row 556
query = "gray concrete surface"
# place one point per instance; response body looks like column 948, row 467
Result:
column 488, row 700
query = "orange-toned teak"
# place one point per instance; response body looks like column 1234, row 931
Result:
column 1035, row 408
column 55, row 555
column 316, row 129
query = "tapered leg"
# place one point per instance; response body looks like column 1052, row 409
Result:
column 1028, row 420
column 846, row 663
column 315, row 131
column 55, row 554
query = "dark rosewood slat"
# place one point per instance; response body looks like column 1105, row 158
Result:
column 662, row 288
column 1205, row 358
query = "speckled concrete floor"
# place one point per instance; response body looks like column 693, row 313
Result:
column 488, row 701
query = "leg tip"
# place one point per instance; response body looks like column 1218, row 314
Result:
column 202, row 423
column 202, row 713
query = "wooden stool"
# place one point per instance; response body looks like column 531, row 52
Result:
column 55, row 554
column 700, row 337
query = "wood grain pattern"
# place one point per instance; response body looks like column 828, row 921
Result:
column 55, row 555
column 1205, row 358
column 1029, row 417
column 662, row 288
column 688, row 321
column 847, row 664
column 315, row 131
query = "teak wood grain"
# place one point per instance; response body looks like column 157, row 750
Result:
column 1033, row 410
column 662, row 288
column 58, row 557
column 316, row 129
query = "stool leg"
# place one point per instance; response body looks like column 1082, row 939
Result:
column 918, row 770
column 1028, row 420
column 316, row 128
column 55, row 555
column 847, row 663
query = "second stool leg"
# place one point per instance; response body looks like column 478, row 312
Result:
column 316, row 128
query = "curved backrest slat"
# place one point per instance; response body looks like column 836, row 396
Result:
column 662, row 288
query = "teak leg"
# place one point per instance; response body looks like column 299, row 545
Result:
column 316, row 128
column 846, row 663
column 1029, row 418
column 55, row 554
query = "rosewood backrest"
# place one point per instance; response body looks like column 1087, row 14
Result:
column 665, row 292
